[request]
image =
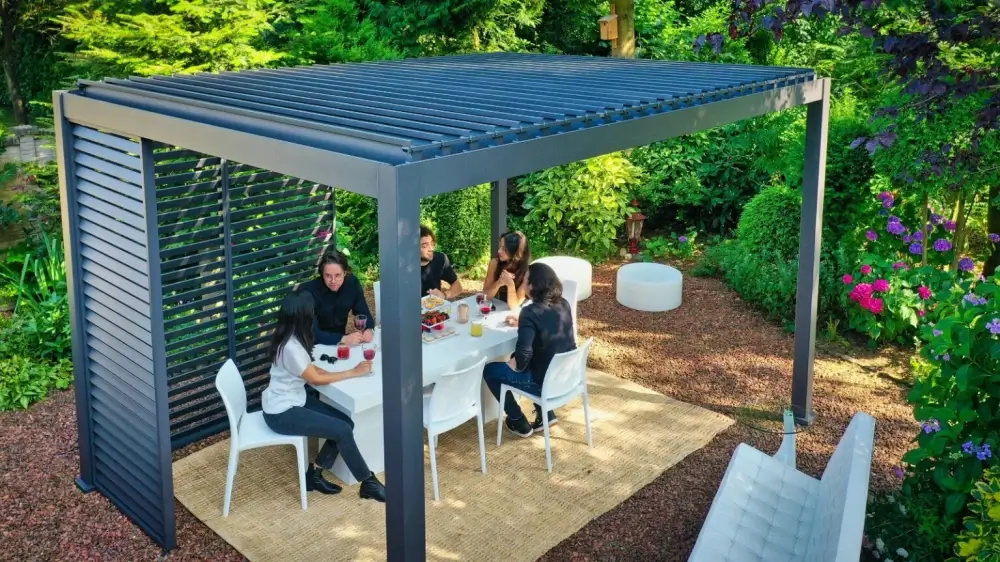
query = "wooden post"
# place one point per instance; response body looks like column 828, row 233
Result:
column 625, row 45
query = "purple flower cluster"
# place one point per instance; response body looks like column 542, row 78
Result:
column 682, row 239
column 974, row 299
column 930, row 426
column 936, row 218
column 995, row 238
column 916, row 248
column 941, row 245
column 982, row 453
column 918, row 236
column 949, row 226
column 871, row 235
column 994, row 326
column 887, row 199
column 896, row 228
column 966, row 264
column 900, row 265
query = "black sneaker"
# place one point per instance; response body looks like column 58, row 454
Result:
column 519, row 427
column 537, row 424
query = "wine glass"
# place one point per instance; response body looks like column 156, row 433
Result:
column 480, row 297
column 369, row 353
column 360, row 321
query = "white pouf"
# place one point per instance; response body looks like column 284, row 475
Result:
column 577, row 269
column 651, row 287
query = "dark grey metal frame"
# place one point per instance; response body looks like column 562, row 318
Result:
column 318, row 152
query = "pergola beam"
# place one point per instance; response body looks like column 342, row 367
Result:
column 498, row 212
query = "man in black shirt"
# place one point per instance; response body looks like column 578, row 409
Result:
column 338, row 293
column 435, row 267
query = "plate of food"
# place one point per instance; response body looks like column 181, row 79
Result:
column 433, row 320
column 431, row 302
column 499, row 322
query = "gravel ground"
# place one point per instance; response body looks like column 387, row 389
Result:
column 713, row 351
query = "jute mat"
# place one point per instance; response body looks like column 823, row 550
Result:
column 517, row 511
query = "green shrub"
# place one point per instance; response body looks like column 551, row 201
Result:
column 580, row 207
column 906, row 521
column 24, row 381
column 461, row 222
column 770, row 223
column 981, row 538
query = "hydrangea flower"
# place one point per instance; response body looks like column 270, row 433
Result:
column 871, row 235
column 876, row 305
column 902, row 552
column 931, row 426
column 994, row 326
column 894, row 218
column 918, row 236
column 682, row 239
column 907, row 239
column 898, row 472
column 937, row 332
column 895, row 228
column 946, row 357
column 968, row 447
column 916, row 248
column 966, row 264
column 924, row 292
column 866, row 269
column 995, row 238
column 883, row 212
column 921, row 313
column 861, row 291
column 900, row 265
column 880, row 286
column 941, row 245
column 984, row 453
column 879, row 543
column 974, row 299
column 949, row 226
column 847, row 279
column 936, row 218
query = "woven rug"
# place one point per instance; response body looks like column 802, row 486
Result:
column 517, row 511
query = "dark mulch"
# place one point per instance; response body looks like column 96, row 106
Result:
column 713, row 351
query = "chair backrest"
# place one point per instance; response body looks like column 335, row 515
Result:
column 378, row 304
column 234, row 395
column 570, row 292
column 455, row 392
column 567, row 371
column 840, row 515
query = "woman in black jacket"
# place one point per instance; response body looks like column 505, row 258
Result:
column 544, row 328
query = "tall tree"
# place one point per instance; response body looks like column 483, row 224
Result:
column 15, row 17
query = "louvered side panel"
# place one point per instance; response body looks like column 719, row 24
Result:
column 116, row 324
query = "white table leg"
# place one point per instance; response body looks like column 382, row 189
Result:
column 370, row 439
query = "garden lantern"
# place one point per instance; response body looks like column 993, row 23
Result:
column 633, row 228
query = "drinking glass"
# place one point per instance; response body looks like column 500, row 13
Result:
column 477, row 328
column 484, row 308
column 360, row 321
column 343, row 352
column 369, row 353
column 480, row 297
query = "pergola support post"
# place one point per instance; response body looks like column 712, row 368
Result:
column 402, row 379
column 498, row 212
column 71, row 242
column 807, row 291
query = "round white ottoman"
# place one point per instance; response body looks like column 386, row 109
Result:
column 577, row 269
column 651, row 287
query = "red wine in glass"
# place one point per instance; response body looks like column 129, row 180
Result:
column 369, row 354
column 343, row 352
column 480, row 297
column 484, row 308
column 360, row 321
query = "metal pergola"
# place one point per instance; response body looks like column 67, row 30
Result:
column 192, row 203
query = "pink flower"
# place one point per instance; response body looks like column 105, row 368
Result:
column 900, row 265
column 866, row 269
column 921, row 313
column 924, row 292
column 847, row 279
column 880, row 286
column 863, row 290
column 876, row 305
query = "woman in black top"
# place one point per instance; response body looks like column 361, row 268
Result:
column 506, row 276
column 338, row 293
column 544, row 328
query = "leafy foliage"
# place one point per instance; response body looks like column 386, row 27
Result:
column 331, row 31
column 461, row 222
column 770, row 223
column 981, row 538
column 24, row 380
column 580, row 207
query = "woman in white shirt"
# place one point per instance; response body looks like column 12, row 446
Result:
column 290, row 410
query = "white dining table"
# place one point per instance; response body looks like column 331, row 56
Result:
column 361, row 397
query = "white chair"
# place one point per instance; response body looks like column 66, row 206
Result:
column 249, row 431
column 765, row 509
column 570, row 291
column 565, row 379
column 378, row 304
column 454, row 401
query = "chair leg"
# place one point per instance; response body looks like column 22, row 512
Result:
column 302, row 450
column 504, row 389
column 234, row 462
column 548, row 441
column 586, row 418
column 482, row 439
column 431, row 439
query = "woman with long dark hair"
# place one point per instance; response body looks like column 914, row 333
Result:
column 290, row 410
column 505, row 277
column 544, row 328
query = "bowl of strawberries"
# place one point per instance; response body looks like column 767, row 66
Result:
column 434, row 320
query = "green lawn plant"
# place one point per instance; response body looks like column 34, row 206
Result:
column 980, row 540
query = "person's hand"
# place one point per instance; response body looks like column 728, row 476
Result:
column 354, row 338
column 506, row 278
column 367, row 336
column 511, row 320
column 437, row 293
column 512, row 363
column 362, row 369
